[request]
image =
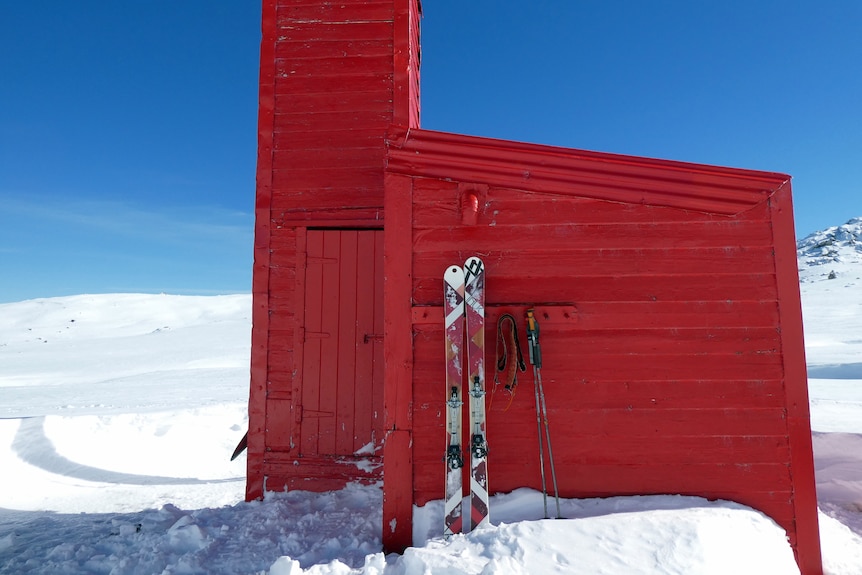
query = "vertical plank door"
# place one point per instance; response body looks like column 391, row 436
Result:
column 341, row 403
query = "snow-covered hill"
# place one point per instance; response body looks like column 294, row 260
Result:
column 123, row 353
column 118, row 414
column 830, row 271
column 833, row 253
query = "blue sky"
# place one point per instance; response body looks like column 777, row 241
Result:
column 128, row 128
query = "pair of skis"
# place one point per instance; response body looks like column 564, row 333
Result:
column 464, row 309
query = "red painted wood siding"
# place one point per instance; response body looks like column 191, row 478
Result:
column 334, row 77
column 661, row 345
column 649, row 371
column 259, row 369
column 337, row 91
column 564, row 172
column 664, row 363
column 325, row 400
column 342, row 400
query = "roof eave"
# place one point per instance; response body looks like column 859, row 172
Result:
column 570, row 172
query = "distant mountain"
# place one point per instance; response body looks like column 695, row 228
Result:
column 833, row 253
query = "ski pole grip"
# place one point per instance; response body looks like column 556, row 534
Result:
column 533, row 338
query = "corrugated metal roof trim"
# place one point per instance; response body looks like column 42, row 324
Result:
column 571, row 172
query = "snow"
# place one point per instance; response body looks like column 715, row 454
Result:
column 119, row 414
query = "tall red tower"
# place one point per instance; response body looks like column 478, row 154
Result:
column 334, row 77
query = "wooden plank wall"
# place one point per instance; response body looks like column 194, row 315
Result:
column 328, row 93
column 659, row 329
column 333, row 86
column 342, row 389
column 333, row 105
column 325, row 392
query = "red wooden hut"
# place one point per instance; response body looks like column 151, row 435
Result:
column 667, row 293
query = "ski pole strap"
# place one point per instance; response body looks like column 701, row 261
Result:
column 507, row 343
column 533, row 339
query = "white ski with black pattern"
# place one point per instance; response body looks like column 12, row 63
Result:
column 474, row 300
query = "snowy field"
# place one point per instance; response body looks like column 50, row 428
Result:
column 119, row 413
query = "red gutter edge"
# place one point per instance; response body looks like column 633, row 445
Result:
column 570, row 172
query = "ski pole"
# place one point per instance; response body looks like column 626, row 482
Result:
column 536, row 360
column 548, row 438
column 536, row 355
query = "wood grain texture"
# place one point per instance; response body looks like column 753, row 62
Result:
column 328, row 96
column 398, row 477
column 664, row 354
column 665, row 291
column 579, row 173
column 796, row 380
column 284, row 472
column 259, row 367
column 343, row 11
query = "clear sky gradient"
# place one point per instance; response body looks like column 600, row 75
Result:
column 128, row 128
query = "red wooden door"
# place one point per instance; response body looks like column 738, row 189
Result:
column 342, row 361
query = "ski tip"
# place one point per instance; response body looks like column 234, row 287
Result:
column 474, row 266
column 454, row 275
column 242, row 446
